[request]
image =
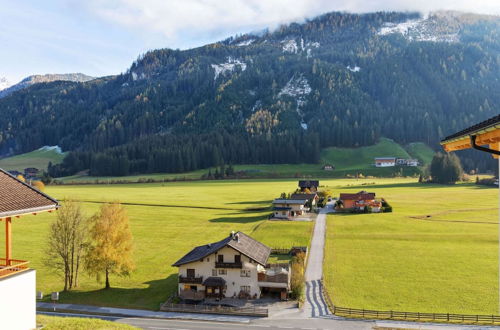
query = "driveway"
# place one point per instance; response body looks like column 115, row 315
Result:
column 315, row 305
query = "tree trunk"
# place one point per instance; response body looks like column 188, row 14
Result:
column 107, row 279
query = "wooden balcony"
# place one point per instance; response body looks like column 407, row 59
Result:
column 280, row 278
column 228, row 264
column 14, row 266
column 192, row 295
column 192, row 280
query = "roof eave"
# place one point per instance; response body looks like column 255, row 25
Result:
column 33, row 210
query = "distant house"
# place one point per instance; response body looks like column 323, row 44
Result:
column 312, row 199
column 234, row 267
column 328, row 167
column 31, row 172
column 311, row 185
column 360, row 200
column 385, row 161
column 289, row 208
column 407, row 162
column 15, row 173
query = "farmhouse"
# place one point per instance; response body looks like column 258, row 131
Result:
column 17, row 280
column 311, row 185
column 407, row 162
column 31, row 172
column 289, row 208
column 328, row 167
column 360, row 200
column 234, row 267
column 385, row 161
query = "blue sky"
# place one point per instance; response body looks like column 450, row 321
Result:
column 103, row 37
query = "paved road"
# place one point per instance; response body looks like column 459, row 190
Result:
column 315, row 305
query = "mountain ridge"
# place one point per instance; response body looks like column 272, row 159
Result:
column 337, row 80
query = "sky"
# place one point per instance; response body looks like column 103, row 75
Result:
column 104, row 37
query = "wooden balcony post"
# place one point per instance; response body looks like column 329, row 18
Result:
column 8, row 241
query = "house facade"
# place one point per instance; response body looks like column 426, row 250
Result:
column 385, row 161
column 289, row 208
column 17, row 279
column 328, row 167
column 234, row 267
column 312, row 199
column 407, row 162
column 360, row 199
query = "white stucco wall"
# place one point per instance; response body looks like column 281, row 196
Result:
column 18, row 301
column 233, row 277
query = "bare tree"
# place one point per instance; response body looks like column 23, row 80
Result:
column 67, row 242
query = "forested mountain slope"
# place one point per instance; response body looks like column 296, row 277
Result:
column 340, row 80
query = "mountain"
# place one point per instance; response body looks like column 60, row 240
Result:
column 4, row 83
column 37, row 79
column 339, row 80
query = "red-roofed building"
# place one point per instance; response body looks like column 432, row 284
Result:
column 360, row 200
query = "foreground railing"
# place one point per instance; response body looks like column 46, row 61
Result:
column 208, row 309
column 12, row 267
column 408, row 316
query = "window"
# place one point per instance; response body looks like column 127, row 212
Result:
column 220, row 258
column 245, row 273
column 190, row 273
column 208, row 259
column 214, row 272
column 237, row 259
column 222, row 272
column 245, row 288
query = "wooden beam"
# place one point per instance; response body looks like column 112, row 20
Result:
column 8, row 240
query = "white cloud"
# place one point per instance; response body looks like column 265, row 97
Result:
column 184, row 22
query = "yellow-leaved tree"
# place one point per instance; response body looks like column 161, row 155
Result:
column 111, row 243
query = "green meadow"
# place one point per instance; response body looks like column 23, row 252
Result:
column 437, row 252
column 347, row 161
column 38, row 158
column 167, row 220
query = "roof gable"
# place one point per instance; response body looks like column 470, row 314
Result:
column 308, row 183
column 362, row 195
column 18, row 198
column 241, row 242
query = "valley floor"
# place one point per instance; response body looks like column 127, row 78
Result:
column 437, row 252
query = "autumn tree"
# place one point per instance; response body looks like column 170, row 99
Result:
column 67, row 242
column 111, row 243
column 38, row 185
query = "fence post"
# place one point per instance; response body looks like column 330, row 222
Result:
column 418, row 315
column 391, row 314
column 448, row 317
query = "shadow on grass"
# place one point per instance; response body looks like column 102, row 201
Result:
column 413, row 185
column 149, row 298
column 240, row 219
column 251, row 202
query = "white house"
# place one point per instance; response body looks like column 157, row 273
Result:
column 287, row 208
column 17, row 280
column 234, row 267
column 385, row 161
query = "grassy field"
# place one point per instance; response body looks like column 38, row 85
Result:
column 346, row 161
column 39, row 158
column 77, row 323
column 167, row 220
column 437, row 252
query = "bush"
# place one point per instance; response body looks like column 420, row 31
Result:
column 297, row 283
column 38, row 185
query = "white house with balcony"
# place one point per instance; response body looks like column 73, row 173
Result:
column 234, row 267
column 288, row 208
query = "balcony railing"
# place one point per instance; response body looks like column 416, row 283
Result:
column 280, row 278
column 228, row 264
column 12, row 267
column 192, row 295
column 193, row 280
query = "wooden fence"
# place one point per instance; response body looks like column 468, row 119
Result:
column 209, row 309
column 408, row 316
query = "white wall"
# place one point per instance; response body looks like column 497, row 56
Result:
column 18, row 301
column 233, row 277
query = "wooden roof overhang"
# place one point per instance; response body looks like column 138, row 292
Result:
column 484, row 133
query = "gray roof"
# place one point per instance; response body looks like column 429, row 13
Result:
column 239, row 241
column 303, row 196
column 214, row 281
column 290, row 201
column 308, row 183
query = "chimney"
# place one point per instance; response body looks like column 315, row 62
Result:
column 232, row 234
column 237, row 237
